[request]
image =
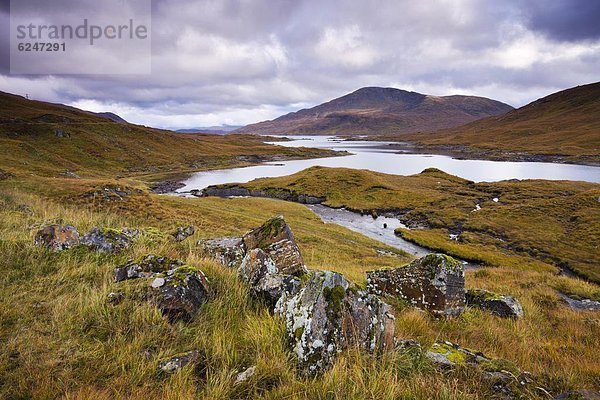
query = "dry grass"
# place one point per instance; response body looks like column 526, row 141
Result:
column 61, row 338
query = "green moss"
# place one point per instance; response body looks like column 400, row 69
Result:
column 483, row 295
column 298, row 333
column 335, row 297
column 452, row 354
column 179, row 275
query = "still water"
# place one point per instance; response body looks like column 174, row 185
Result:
column 376, row 156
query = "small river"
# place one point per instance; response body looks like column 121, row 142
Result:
column 379, row 157
column 375, row 156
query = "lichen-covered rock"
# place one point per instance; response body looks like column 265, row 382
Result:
column 145, row 267
column 173, row 364
column 229, row 251
column 501, row 305
column 580, row 395
column 180, row 292
column 183, row 232
column 435, row 282
column 108, row 240
column 276, row 238
column 329, row 315
column 57, row 237
column 448, row 354
column 115, row 298
column 245, row 375
column 266, row 283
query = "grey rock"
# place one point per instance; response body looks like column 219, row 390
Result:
column 182, row 293
column 173, row 364
column 115, row 298
column 329, row 315
column 266, row 283
column 502, row 305
column 447, row 354
column 108, row 240
column 57, row 237
column 70, row 174
column 183, row 232
column 245, row 375
column 434, row 283
column 276, row 238
column 580, row 395
column 581, row 304
column 228, row 251
column 145, row 267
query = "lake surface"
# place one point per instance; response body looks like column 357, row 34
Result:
column 375, row 156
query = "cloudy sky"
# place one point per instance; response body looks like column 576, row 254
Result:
column 241, row 61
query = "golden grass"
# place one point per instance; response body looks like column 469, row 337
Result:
column 72, row 344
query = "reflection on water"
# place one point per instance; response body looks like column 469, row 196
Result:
column 380, row 228
column 375, row 157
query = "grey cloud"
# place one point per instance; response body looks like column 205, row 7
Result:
column 569, row 20
column 251, row 58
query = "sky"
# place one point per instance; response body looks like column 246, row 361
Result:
column 236, row 62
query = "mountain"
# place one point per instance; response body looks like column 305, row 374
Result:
column 376, row 110
column 563, row 123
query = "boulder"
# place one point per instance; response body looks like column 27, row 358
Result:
column 173, row 364
column 329, row 315
column 501, row 305
column 57, row 237
column 266, row 283
column 180, row 292
column 108, row 240
column 183, row 232
column 145, row 267
column 228, row 251
column 276, row 238
column 435, row 283
column 580, row 395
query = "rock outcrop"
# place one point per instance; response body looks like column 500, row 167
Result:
column 434, row 283
column 229, row 251
column 57, row 237
column 266, row 283
column 108, row 240
column 329, row 315
column 183, row 232
column 276, row 238
column 173, row 364
column 180, row 292
column 501, row 305
column 145, row 267
column 280, row 193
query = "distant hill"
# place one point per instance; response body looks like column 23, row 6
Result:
column 112, row 116
column 214, row 130
column 563, row 123
column 376, row 110
column 46, row 139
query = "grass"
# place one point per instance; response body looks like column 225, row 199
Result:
column 62, row 339
column 535, row 224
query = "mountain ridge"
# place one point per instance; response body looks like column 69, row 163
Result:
column 373, row 110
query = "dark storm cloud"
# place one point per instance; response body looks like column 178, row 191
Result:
column 569, row 20
column 239, row 61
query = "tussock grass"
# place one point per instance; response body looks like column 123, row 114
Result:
column 62, row 339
